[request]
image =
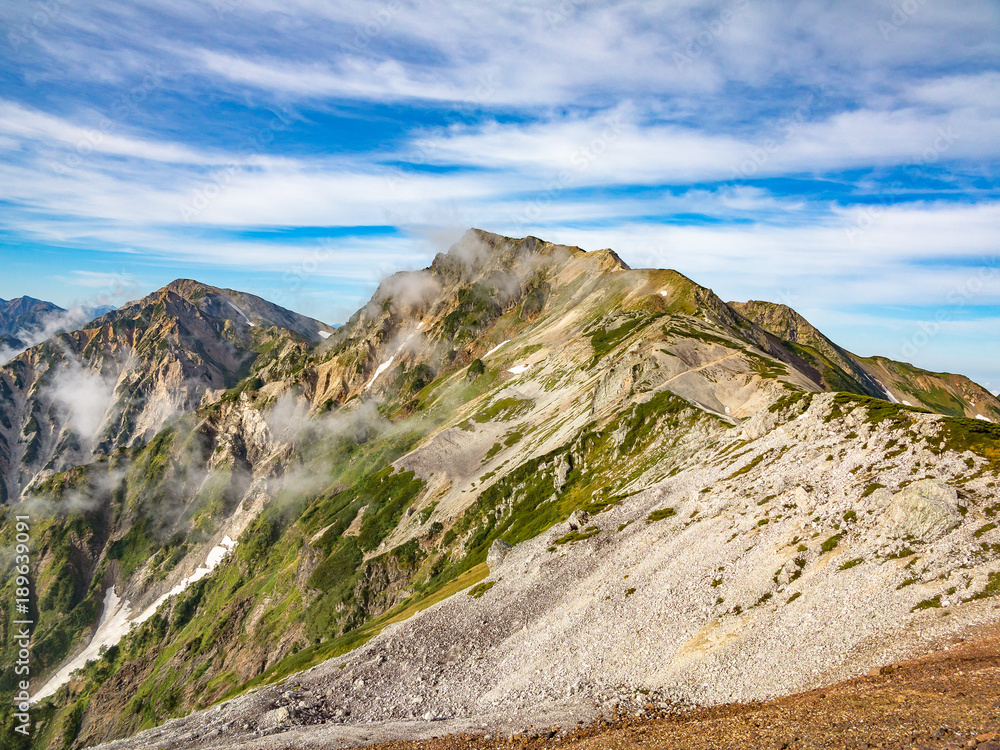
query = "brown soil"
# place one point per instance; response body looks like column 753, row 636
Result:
column 947, row 699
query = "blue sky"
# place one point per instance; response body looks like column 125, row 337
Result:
column 841, row 157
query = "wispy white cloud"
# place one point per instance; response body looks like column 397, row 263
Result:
column 357, row 78
column 20, row 122
column 599, row 52
column 635, row 126
column 100, row 279
column 601, row 149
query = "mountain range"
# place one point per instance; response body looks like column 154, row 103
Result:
column 526, row 484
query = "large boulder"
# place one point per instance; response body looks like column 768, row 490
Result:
column 276, row 718
column 925, row 510
column 497, row 552
column 577, row 520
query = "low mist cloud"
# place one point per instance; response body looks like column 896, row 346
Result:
column 83, row 397
column 86, row 499
column 289, row 421
column 409, row 289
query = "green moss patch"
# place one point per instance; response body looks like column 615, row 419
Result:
column 504, row 410
column 659, row 515
column 830, row 544
column 578, row 536
column 481, row 588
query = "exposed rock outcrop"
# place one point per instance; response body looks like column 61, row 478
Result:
column 925, row 510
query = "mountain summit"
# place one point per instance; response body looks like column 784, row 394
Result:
column 23, row 312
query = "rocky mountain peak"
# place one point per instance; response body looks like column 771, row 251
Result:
column 119, row 380
column 23, row 312
column 188, row 288
column 240, row 308
column 778, row 318
column 479, row 253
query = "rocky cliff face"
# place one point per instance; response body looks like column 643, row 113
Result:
column 515, row 392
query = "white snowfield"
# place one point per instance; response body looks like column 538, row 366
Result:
column 112, row 627
column 115, row 622
column 506, row 341
column 886, row 391
column 324, row 334
column 233, row 305
column 379, row 370
column 518, row 369
column 985, row 419
column 388, row 363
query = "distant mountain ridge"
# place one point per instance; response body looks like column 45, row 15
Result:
column 880, row 377
column 127, row 374
column 23, row 312
column 27, row 321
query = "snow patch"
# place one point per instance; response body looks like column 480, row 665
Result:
column 507, row 341
column 663, row 292
column 324, row 334
column 379, row 370
column 215, row 556
column 385, row 365
column 885, row 390
column 518, row 369
column 115, row 622
column 111, row 628
column 232, row 305
column 906, row 402
column 985, row 419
